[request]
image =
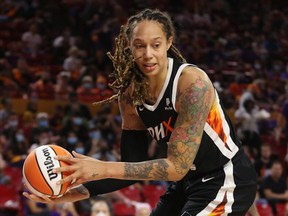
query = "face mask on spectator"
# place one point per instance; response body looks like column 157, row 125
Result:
column 19, row 137
column 13, row 123
column 101, row 85
column 95, row 135
column 43, row 123
column 72, row 140
column 80, row 150
column 87, row 85
column 77, row 120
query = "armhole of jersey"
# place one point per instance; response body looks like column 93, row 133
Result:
column 175, row 84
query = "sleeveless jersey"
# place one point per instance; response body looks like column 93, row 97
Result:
column 218, row 143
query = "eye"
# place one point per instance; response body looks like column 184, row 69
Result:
column 157, row 45
column 138, row 46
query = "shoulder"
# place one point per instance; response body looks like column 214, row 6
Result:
column 191, row 76
column 194, row 84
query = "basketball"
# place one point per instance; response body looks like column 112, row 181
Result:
column 37, row 171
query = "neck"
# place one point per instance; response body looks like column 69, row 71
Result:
column 156, row 82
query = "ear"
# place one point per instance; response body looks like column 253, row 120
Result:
column 169, row 42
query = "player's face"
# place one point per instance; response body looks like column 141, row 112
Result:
column 149, row 46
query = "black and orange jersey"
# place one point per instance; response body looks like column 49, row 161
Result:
column 218, row 144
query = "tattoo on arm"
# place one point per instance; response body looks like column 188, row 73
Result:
column 82, row 190
column 154, row 169
column 184, row 142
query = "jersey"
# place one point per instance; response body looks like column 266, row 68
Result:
column 218, row 143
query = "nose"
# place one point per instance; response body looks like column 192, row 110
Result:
column 148, row 52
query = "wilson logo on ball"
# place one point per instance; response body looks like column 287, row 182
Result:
column 49, row 164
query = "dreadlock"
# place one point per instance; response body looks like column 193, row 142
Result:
column 126, row 72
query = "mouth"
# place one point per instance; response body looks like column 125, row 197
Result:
column 149, row 66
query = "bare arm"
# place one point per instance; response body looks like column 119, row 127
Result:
column 269, row 194
column 194, row 100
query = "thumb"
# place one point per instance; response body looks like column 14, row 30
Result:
column 78, row 155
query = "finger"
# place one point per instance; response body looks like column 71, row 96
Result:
column 77, row 155
column 69, row 178
column 65, row 169
column 67, row 159
column 43, row 199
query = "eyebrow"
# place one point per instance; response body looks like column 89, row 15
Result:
column 138, row 39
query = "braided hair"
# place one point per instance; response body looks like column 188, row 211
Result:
column 126, row 72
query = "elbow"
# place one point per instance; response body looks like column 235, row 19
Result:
column 178, row 178
column 177, row 173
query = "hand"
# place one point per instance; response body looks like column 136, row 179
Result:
column 80, row 168
column 72, row 195
column 33, row 197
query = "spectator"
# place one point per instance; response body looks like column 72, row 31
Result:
column 104, row 91
column 264, row 162
column 12, row 125
column 57, row 117
column 41, row 132
column 4, row 179
column 103, row 152
column 22, row 75
column 75, row 105
column 61, row 44
column 43, row 88
column 5, row 111
column 19, row 142
column 8, row 86
column 77, row 123
column 274, row 186
column 32, row 40
column 71, row 62
column 62, row 86
column 247, row 118
column 87, row 92
column 29, row 115
column 101, row 207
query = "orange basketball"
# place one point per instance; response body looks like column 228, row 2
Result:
column 37, row 171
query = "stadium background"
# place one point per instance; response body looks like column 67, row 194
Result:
column 53, row 66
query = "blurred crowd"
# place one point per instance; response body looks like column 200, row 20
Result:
column 56, row 50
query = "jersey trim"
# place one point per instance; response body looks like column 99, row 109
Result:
column 222, row 204
column 175, row 84
column 169, row 73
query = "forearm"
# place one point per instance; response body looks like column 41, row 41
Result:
column 271, row 195
column 159, row 170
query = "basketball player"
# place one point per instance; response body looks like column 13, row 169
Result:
column 178, row 105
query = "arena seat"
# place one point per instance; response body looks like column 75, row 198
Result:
column 132, row 192
column 152, row 193
column 122, row 209
column 264, row 209
column 10, row 192
column 281, row 209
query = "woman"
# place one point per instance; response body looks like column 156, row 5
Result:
column 178, row 105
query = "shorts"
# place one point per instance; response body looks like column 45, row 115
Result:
column 230, row 191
